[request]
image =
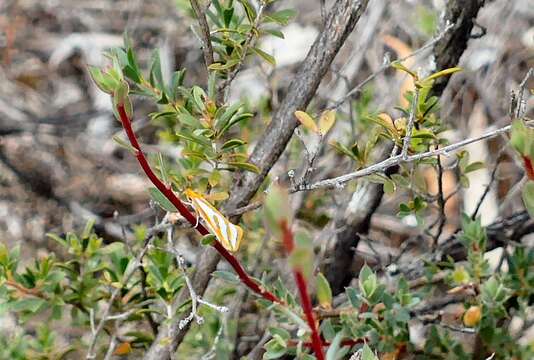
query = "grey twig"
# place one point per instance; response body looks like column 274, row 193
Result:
column 207, row 47
column 520, row 99
column 409, row 126
column 396, row 160
column 387, row 65
column 195, row 299
column 441, row 202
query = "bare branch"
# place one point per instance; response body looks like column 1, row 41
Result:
column 397, row 160
column 409, row 126
column 387, row 65
column 207, row 47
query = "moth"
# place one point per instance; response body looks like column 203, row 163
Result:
column 228, row 234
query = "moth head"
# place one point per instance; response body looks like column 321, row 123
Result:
column 191, row 194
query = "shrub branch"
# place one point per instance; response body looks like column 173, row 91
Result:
column 184, row 211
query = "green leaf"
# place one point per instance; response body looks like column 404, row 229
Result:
column 269, row 58
column 28, row 304
column 229, row 112
column 324, row 293
column 249, row 10
column 224, row 66
column 161, row 200
column 189, row 136
column 227, row 16
column 215, row 178
column 105, row 82
column 207, row 240
column 234, row 120
column 274, row 32
column 474, row 166
column 120, row 97
column 226, row 276
column 282, row 333
column 442, row 73
column 528, row 197
column 88, row 229
column 281, row 17
column 342, row 149
column 522, row 139
column 389, row 187
column 367, row 353
column 57, row 239
column 199, row 95
column 274, row 350
column 233, row 143
column 156, row 76
column 398, row 65
column 124, row 144
column 333, row 350
column 186, row 118
column 245, row 166
column 112, row 248
column 367, row 281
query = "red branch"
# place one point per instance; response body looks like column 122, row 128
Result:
column 346, row 342
column 529, row 167
column 184, row 211
column 316, row 341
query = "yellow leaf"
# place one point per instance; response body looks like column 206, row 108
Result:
column 307, row 121
column 123, row 349
column 327, row 120
column 472, row 316
column 443, row 73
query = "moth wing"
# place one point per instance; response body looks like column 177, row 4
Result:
column 236, row 237
column 228, row 234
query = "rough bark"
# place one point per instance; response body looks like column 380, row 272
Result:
column 447, row 51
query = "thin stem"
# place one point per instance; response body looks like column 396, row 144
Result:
column 529, row 167
column 409, row 127
column 388, row 63
column 207, row 47
column 441, row 203
column 316, row 343
column 184, row 211
column 396, row 160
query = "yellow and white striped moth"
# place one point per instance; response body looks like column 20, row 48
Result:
column 228, row 234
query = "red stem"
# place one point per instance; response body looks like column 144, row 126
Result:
column 346, row 342
column 316, row 341
column 184, row 211
column 529, row 167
